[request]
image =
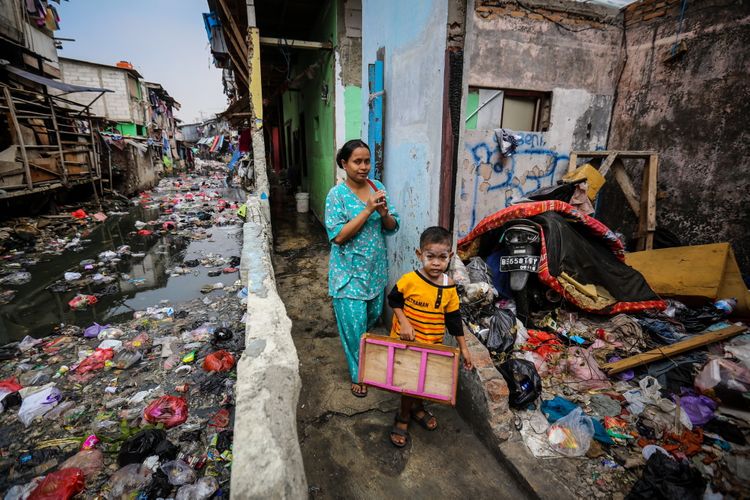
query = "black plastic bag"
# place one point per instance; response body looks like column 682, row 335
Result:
column 145, row 444
column 664, row 478
column 159, row 486
column 524, row 384
column 501, row 337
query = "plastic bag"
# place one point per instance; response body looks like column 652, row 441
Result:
column 17, row 278
column 126, row 359
column 59, row 485
column 94, row 330
column 145, row 444
column 28, row 342
column 725, row 372
column 583, row 371
column 9, row 386
column 22, row 491
column 571, row 435
column 478, row 271
column 79, row 214
column 219, row 361
column 89, row 461
column 109, row 332
column 664, row 477
column 95, row 361
column 201, row 490
column 458, row 272
column 524, row 384
column 178, row 472
column 36, row 377
column 80, row 302
column 128, row 479
column 501, row 336
column 699, row 408
column 38, row 403
column 168, row 410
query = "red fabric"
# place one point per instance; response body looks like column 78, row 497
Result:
column 543, row 343
column 597, row 229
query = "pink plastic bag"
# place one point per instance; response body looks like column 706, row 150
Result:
column 582, row 371
column 723, row 371
column 168, row 410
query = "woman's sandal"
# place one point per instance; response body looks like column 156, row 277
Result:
column 424, row 420
column 396, row 430
column 362, row 390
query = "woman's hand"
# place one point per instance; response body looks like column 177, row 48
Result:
column 376, row 203
column 407, row 331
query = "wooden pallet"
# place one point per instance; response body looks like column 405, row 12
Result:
column 643, row 205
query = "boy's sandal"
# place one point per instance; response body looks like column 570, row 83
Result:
column 397, row 431
column 424, row 420
column 362, row 390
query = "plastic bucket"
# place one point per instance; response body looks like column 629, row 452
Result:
column 303, row 202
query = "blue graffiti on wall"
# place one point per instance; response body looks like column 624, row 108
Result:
column 488, row 152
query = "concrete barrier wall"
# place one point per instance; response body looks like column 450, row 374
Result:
column 267, row 459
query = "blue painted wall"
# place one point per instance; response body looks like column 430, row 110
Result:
column 413, row 34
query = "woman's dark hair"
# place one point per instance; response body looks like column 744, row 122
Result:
column 347, row 149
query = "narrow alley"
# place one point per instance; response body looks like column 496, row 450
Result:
column 344, row 440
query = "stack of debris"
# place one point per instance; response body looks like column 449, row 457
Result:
column 654, row 393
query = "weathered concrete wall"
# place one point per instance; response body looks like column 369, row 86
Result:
column 116, row 105
column 552, row 46
column 267, row 460
column 413, row 36
column 692, row 111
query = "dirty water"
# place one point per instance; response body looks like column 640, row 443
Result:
column 142, row 281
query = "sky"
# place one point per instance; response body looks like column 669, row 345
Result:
column 164, row 40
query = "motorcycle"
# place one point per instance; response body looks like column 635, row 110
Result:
column 521, row 244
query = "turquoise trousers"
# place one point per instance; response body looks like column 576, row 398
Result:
column 354, row 318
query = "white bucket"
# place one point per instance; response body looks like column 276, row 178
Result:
column 303, row 202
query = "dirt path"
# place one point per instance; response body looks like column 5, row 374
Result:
column 344, row 439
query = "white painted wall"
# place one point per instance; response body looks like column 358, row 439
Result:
column 117, row 105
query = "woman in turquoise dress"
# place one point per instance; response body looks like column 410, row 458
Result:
column 358, row 217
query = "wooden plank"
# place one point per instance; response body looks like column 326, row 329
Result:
column 19, row 135
column 294, row 44
column 572, row 162
column 673, row 350
column 59, row 142
column 604, row 168
column 653, row 169
column 622, row 178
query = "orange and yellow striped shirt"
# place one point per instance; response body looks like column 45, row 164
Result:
column 430, row 308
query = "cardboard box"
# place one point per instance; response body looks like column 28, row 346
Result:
column 425, row 371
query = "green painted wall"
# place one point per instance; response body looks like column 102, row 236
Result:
column 127, row 129
column 318, row 112
column 472, row 103
column 353, row 112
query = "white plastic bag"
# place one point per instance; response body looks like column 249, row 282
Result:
column 571, row 435
column 38, row 403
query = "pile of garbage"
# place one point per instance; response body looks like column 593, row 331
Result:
column 138, row 408
column 674, row 427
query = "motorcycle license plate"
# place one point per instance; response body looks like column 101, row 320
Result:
column 528, row 263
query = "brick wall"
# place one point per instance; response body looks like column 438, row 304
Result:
column 567, row 14
column 651, row 12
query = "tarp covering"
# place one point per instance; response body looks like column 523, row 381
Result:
column 578, row 251
column 65, row 87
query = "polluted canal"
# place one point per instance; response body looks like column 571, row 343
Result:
column 121, row 341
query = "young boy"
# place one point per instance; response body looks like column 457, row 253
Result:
column 425, row 303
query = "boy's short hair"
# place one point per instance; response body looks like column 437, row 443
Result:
column 435, row 234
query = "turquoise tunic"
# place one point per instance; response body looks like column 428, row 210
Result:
column 358, row 269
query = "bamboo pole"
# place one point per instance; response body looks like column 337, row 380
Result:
column 19, row 135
